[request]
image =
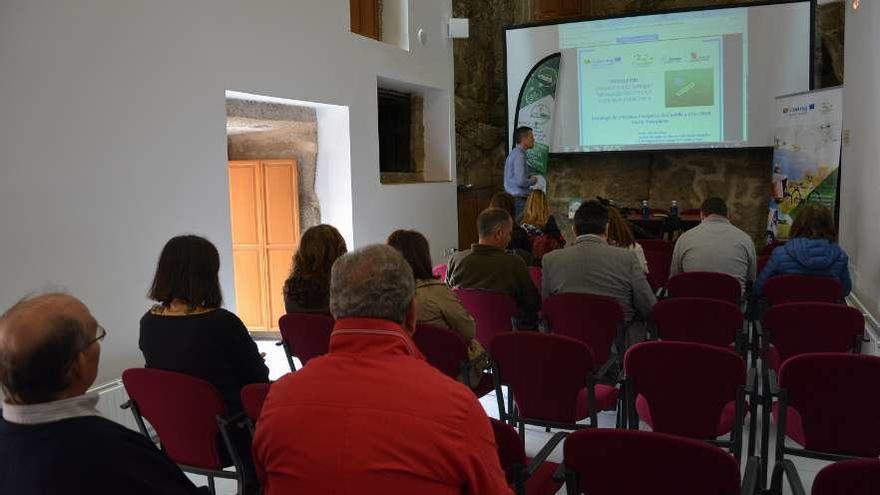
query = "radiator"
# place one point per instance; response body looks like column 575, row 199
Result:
column 872, row 327
column 112, row 396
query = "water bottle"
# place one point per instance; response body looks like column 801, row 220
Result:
column 673, row 210
column 646, row 211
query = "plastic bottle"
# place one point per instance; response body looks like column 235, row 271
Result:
column 673, row 210
column 646, row 211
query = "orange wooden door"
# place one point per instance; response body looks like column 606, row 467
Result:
column 264, row 205
column 365, row 17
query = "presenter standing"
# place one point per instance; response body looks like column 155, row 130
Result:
column 516, row 169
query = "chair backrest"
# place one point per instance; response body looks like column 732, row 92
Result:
column 252, row 398
column 783, row 289
column 443, row 348
column 800, row 328
column 611, row 462
column 591, row 319
column 439, row 271
column 510, row 447
column 705, row 284
column 658, row 267
column 762, row 262
column 768, row 249
column 686, row 385
column 307, row 335
column 835, row 397
column 545, row 372
column 183, row 410
column 697, row 319
column 852, row 477
column 537, row 277
column 492, row 312
column 655, row 245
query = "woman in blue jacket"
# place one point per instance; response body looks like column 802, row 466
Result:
column 812, row 250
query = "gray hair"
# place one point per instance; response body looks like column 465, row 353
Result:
column 371, row 282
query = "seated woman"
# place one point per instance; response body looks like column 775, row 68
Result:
column 307, row 289
column 811, row 250
column 435, row 302
column 539, row 224
column 519, row 240
column 620, row 235
column 188, row 332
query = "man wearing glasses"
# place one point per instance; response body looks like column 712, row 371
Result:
column 52, row 438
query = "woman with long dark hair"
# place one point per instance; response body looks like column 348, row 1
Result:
column 307, row 289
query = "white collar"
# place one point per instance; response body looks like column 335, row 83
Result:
column 50, row 412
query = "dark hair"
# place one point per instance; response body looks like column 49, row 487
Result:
column 309, row 281
column 39, row 374
column 619, row 232
column 814, row 221
column 490, row 219
column 520, row 133
column 188, row 270
column 415, row 250
column 591, row 218
column 505, row 201
column 714, row 206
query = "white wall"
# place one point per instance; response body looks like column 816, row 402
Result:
column 395, row 23
column 860, row 168
column 112, row 131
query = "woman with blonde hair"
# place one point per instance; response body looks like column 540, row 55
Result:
column 307, row 289
column 539, row 224
column 621, row 235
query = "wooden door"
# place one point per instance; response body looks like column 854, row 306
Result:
column 264, row 205
column 365, row 17
column 559, row 9
column 471, row 201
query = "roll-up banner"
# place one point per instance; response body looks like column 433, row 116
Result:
column 536, row 107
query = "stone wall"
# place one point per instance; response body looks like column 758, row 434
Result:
column 739, row 176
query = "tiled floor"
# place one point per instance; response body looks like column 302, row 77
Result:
column 536, row 437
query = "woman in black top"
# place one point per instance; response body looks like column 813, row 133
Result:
column 307, row 289
column 188, row 332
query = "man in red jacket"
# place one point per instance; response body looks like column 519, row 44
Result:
column 372, row 416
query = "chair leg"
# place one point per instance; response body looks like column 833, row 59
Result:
column 211, row 487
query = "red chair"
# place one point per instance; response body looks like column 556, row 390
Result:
column 252, row 398
column 698, row 319
column 705, row 284
column 492, row 312
column 783, row 289
column 827, row 405
column 529, row 476
column 439, row 271
column 189, row 416
column 549, row 377
column 687, row 389
column 657, row 245
column 850, row 477
column 448, row 352
column 537, row 277
column 612, row 462
column 305, row 336
column 594, row 320
column 762, row 262
column 658, row 268
column 768, row 249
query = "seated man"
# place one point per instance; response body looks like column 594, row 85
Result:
column 715, row 245
column 592, row 266
column 52, row 439
column 372, row 416
column 486, row 265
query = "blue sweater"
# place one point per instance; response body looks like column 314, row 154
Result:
column 802, row 256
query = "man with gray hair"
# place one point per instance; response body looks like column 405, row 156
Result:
column 372, row 416
column 52, row 438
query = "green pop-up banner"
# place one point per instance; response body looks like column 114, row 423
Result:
column 536, row 107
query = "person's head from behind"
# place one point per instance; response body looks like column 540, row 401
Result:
column 373, row 282
column 713, row 206
column 591, row 218
column 49, row 349
column 187, row 272
column 505, row 201
column 814, row 221
column 494, row 227
column 319, row 248
column 524, row 137
column 536, row 211
column 414, row 248
column 619, row 233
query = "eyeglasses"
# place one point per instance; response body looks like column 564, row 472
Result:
column 100, row 333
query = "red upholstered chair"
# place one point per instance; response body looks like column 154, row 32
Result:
column 850, row 477
column 448, row 352
column 491, row 311
column 827, row 405
column 189, row 416
column 699, row 319
column 658, row 268
column 768, row 249
column 705, row 284
column 550, row 379
column 612, row 462
column 439, row 271
column 591, row 319
column 783, row 289
column 529, row 476
column 657, row 245
column 537, row 277
column 252, row 398
column 686, row 389
column 305, row 336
